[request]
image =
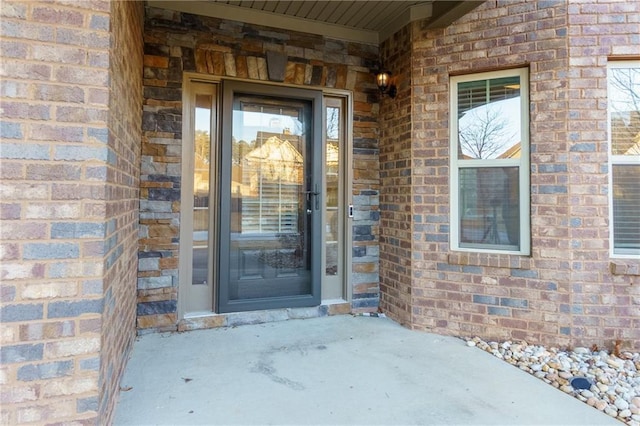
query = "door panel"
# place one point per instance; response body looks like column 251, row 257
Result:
column 270, row 216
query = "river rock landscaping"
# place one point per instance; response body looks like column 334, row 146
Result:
column 607, row 381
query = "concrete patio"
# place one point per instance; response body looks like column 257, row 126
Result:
column 339, row 370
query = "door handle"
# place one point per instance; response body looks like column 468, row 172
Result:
column 316, row 194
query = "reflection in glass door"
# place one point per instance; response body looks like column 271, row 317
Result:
column 270, row 198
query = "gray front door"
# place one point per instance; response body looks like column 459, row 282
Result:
column 270, row 205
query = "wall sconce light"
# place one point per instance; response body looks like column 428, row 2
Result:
column 386, row 86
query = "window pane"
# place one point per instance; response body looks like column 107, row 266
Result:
column 489, row 208
column 489, row 119
column 334, row 138
column 202, row 160
column 626, row 205
column 267, row 158
column 269, row 244
column 624, row 105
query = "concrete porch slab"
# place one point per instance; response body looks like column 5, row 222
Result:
column 339, row 370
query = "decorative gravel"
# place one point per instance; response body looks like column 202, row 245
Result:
column 610, row 382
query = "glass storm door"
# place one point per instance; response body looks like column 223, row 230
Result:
column 270, row 201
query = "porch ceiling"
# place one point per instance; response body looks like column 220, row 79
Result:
column 362, row 21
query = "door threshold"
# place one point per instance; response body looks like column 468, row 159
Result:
column 204, row 320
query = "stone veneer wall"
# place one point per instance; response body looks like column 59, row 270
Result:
column 178, row 42
column 69, row 153
column 569, row 291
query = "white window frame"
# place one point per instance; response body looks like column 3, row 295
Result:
column 615, row 160
column 522, row 163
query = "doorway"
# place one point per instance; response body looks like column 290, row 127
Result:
column 264, row 218
column 270, row 217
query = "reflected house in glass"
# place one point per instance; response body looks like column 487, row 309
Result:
column 272, row 178
column 267, row 198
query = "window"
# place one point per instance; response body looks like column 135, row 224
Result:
column 267, row 166
column 334, row 145
column 490, row 162
column 624, row 133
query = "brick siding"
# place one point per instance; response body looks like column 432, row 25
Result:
column 564, row 293
column 85, row 139
column 176, row 43
column 123, row 189
column 69, row 195
column 396, row 181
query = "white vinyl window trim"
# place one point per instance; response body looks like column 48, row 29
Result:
column 521, row 164
column 614, row 94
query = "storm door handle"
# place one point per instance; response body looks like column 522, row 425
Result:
column 316, row 194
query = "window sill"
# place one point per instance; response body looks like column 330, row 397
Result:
column 493, row 260
column 624, row 267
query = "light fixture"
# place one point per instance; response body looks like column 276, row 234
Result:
column 386, row 86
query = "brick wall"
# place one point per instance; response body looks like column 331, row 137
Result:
column 564, row 293
column 605, row 304
column 122, row 186
column 62, row 187
column 396, row 180
column 178, row 42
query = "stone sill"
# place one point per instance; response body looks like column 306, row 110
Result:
column 624, row 267
column 493, row 260
column 212, row 320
